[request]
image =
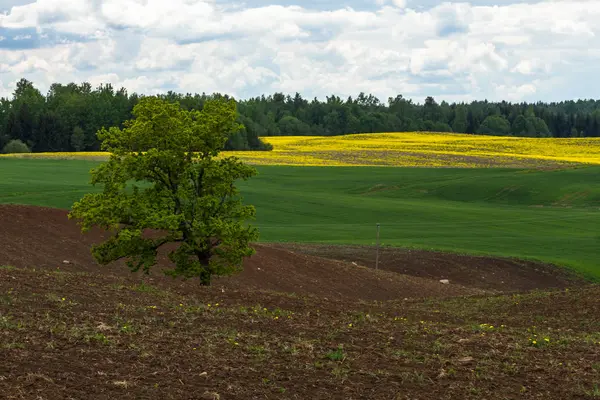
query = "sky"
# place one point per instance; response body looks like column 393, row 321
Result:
column 453, row 51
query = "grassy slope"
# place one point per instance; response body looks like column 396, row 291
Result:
column 490, row 211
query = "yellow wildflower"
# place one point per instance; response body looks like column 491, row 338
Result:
column 425, row 149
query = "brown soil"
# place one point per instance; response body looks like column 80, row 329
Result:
column 45, row 237
column 80, row 331
column 67, row 335
column 488, row 273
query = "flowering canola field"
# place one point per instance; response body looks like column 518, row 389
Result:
column 409, row 149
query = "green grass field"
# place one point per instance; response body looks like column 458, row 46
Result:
column 552, row 216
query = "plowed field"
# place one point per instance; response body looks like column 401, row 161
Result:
column 293, row 325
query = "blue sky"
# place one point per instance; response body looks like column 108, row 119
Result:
column 482, row 49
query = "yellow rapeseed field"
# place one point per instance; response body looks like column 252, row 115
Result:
column 410, row 149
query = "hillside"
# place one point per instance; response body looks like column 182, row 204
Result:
column 552, row 216
column 409, row 149
column 46, row 238
column 315, row 320
column 290, row 326
column 428, row 149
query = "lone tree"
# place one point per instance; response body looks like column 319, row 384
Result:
column 164, row 183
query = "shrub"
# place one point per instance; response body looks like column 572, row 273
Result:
column 16, row 146
column 265, row 146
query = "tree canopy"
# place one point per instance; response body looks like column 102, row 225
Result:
column 495, row 125
column 164, row 183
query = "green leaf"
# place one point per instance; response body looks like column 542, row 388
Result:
column 163, row 184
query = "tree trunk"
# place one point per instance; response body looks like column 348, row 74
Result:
column 205, row 274
column 205, row 277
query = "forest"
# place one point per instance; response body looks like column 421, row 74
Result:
column 68, row 116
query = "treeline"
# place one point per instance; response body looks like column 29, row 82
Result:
column 68, row 116
column 285, row 115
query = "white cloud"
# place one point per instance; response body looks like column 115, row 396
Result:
column 4, row 91
column 451, row 51
column 532, row 67
column 516, row 92
column 96, row 80
column 397, row 3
